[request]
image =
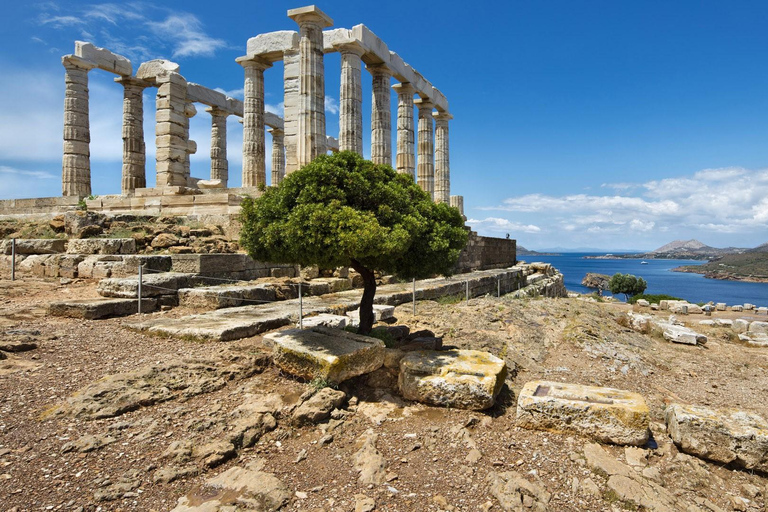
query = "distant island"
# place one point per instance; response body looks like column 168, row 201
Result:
column 522, row 251
column 730, row 263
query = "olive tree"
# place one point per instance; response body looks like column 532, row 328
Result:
column 627, row 284
column 344, row 211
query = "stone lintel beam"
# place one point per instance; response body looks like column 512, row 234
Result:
column 332, row 144
column 104, row 59
column 74, row 61
column 211, row 98
column 272, row 45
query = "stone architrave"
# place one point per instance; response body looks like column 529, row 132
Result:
column 442, row 160
column 351, row 99
column 278, row 156
column 381, row 116
column 311, row 105
column 405, row 159
column 76, row 162
column 425, row 168
column 134, row 149
column 254, row 162
column 219, row 163
column 290, row 107
column 171, row 130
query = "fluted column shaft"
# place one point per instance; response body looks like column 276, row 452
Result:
column 219, row 162
column 291, row 107
column 134, row 150
column 171, row 131
column 442, row 159
column 351, row 100
column 76, row 161
column 254, row 163
column 381, row 116
column 458, row 203
column 425, row 168
column 278, row 156
column 405, row 159
column 311, row 105
column 189, row 112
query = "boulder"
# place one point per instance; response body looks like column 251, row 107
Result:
column 319, row 406
column 758, row 327
column 330, row 354
column 684, row 335
column 164, row 240
column 729, row 436
column 463, row 379
column 740, row 325
column 597, row 281
column 605, row 414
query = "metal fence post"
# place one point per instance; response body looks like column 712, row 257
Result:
column 301, row 307
column 139, row 291
column 13, row 259
column 498, row 287
column 414, row 296
column 467, row 292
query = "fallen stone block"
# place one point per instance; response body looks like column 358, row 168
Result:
column 684, row 335
column 153, row 285
column 754, row 339
column 740, row 325
column 226, row 296
column 762, row 310
column 380, row 312
column 92, row 309
column 737, row 308
column 102, row 246
column 729, row 436
column 643, row 303
column 708, row 323
column 748, row 306
column 605, row 414
column 724, row 322
column 326, row 320
column 758, row 327
column 720, row 306
column 463, row 379
column 330, row 354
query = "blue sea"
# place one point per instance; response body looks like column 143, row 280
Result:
column 692, row 287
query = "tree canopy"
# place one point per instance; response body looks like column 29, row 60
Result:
column 627, row 284
column 344, row 211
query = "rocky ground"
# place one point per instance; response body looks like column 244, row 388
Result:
column 94, row 416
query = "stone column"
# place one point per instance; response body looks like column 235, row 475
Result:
column 189, row 112
column 425, row 168
column 254, row 163
column 278, row 156
column 381, row 116
column 458, row 202
column 406, row 159
column 219, row 163
column 351, row 99
column 134, row 149
column 171, row 130
column 311, row 104
column 76, row 162
column 442, row 160
column 290, row 103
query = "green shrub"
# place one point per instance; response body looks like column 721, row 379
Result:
column 652, row 298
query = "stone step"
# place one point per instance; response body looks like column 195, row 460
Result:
column 92, row 309
column 153, row 285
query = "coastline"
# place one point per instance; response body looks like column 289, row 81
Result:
column 722, row 276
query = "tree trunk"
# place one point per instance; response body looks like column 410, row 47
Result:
column 366, row 303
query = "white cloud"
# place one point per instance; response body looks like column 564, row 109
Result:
column 24, row 183
column 638, row 225
column 234, row 93
column 186, row 32
column 61, row 21
column 499, row 225
column 278, row 109
column 331, row 105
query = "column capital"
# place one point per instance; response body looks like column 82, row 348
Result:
column 276, row 132
column 132, row 81
column 73, row 61
column 379, row 69
column 310, row 14
column 216, row 111
column 424, row 104
column 353, row 48
column 404, row 88
column 442, row 116
column 253, row 61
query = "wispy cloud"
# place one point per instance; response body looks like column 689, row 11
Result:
column 331, row 105
column 61, row 21
column 186, row 32
column 278, row 109
column 499, row 225
column 234, row 93
column 40, row 175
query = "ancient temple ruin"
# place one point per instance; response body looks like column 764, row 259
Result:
column 422, row 148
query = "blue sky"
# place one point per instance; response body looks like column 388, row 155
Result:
column 614, row 125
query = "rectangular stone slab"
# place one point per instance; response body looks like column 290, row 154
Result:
column 91, row 309
column 730, row 436
column 331, row 354
column 605, row 414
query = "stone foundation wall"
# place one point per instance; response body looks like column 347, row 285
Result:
column 484, row 253
column 41, row 206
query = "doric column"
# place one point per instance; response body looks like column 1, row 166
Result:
column 219, row 163
column 381, row 116
column 442, row 160
column 351, row 99
column 458, row 202
column 425, row 168
column 290, row 107
column 134, row 149
column 171, row 130
column 254, row 164
column 278, row 156
column 189, row 112
column 406, row 159
column 311, row 105
column 76, row 162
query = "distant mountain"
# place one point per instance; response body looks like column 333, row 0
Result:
column 690, row 250
column 522, row 251
column 759, row 248
column 682, row 245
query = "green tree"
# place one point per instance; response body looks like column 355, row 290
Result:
column 344, row 211
column 627, row 284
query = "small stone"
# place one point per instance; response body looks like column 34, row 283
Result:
column 473, row 456
column 363, row 503
column 301, row 495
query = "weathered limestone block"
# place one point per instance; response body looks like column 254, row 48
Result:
column 758, row 327
column 325, row 320
column 748, row 306
column 103, row 58
column 226, row 296
column 319, row 406
column 102, row 246
column 723, row 322
column 684, row 335
column 464, row 379
column 740, row 325
column 92, row 309
column 737, row 308
column 380, row 312
column 720, row 306
column 605, row 414
column 643, row 303
column 730, row 436
column 272, row 44
column 34, row 246
column 330, row 354
column 153, row 285
column 762, row 310
column 151, row 69
column 210, row 184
